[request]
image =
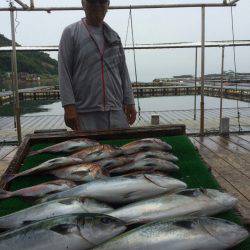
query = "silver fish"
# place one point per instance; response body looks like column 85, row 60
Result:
column 189, row 234
column 123, row 189
column 189, row 202
column 67, row 147
column 147, row 165
column 111, row 163
column 74, row 232
column 97, row 153
column 154, row 154
column 84, row 172
column 146, row 145
column 46, row 166
column 39, row 190
column 51, row 209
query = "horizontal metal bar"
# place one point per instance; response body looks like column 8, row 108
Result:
column 141, row 47
column 125, row 7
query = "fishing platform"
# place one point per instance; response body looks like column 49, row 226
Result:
column 207, row 159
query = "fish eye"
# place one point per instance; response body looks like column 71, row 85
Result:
column 105, row 220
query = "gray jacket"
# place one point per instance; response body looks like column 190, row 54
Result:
column 82, row 80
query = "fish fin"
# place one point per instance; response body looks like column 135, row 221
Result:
column 190, row 192
column 67, row 201
column 27, row 222
column 66, row 229
column 187, row 224
column 61, row 229
column 150, row 178
column 130, row 194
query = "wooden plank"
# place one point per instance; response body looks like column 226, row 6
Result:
column 245, row 137
column 3, row 166
column 221, row 152
column 243, row 205
column 239, row 181
column 239, row 141
column 234, row 148
column 5, row 150
column 11, row 155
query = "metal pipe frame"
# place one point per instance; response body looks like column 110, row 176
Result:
column 32, row 5
column 15, row 80
column 218, row 44
column 127, row 7
column 195, row 82
column 25, row 6
column 222, row 83
column 202, row 113
column 11, row 9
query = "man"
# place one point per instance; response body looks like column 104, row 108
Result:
column 95, row 88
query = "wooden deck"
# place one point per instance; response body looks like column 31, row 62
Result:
column 229, row 160
column 6, row 155
column 44, row 122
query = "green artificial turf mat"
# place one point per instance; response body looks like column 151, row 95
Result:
column 193, row 172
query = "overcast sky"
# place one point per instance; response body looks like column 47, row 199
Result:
column 150, row 26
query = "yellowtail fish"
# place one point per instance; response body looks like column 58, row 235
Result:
column 75, row 231
column 121, row 189
column 51, row 209
column 185, row 234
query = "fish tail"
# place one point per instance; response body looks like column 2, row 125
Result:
column 4, row 194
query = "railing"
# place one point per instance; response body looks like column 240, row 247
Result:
column 52, row 93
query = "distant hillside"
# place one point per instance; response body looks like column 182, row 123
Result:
column 28, row 62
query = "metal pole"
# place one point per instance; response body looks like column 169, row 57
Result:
column 25, row 6
column 202, row 69
column 15, row 77
column 221, row 83
column 127, row 7
column 32, row 5
column 195, row 82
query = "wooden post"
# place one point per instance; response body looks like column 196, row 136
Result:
column 155, row 119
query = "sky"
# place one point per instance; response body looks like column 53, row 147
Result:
column 150, row 26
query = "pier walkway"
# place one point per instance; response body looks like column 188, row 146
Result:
column 31, row 123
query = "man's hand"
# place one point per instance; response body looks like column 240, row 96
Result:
column 130, row 113
column 71, row 118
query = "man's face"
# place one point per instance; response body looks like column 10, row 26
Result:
column 96, row 11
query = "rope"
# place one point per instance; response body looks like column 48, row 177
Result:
column 135, row 68
column 17, row 23
column 235, row 68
